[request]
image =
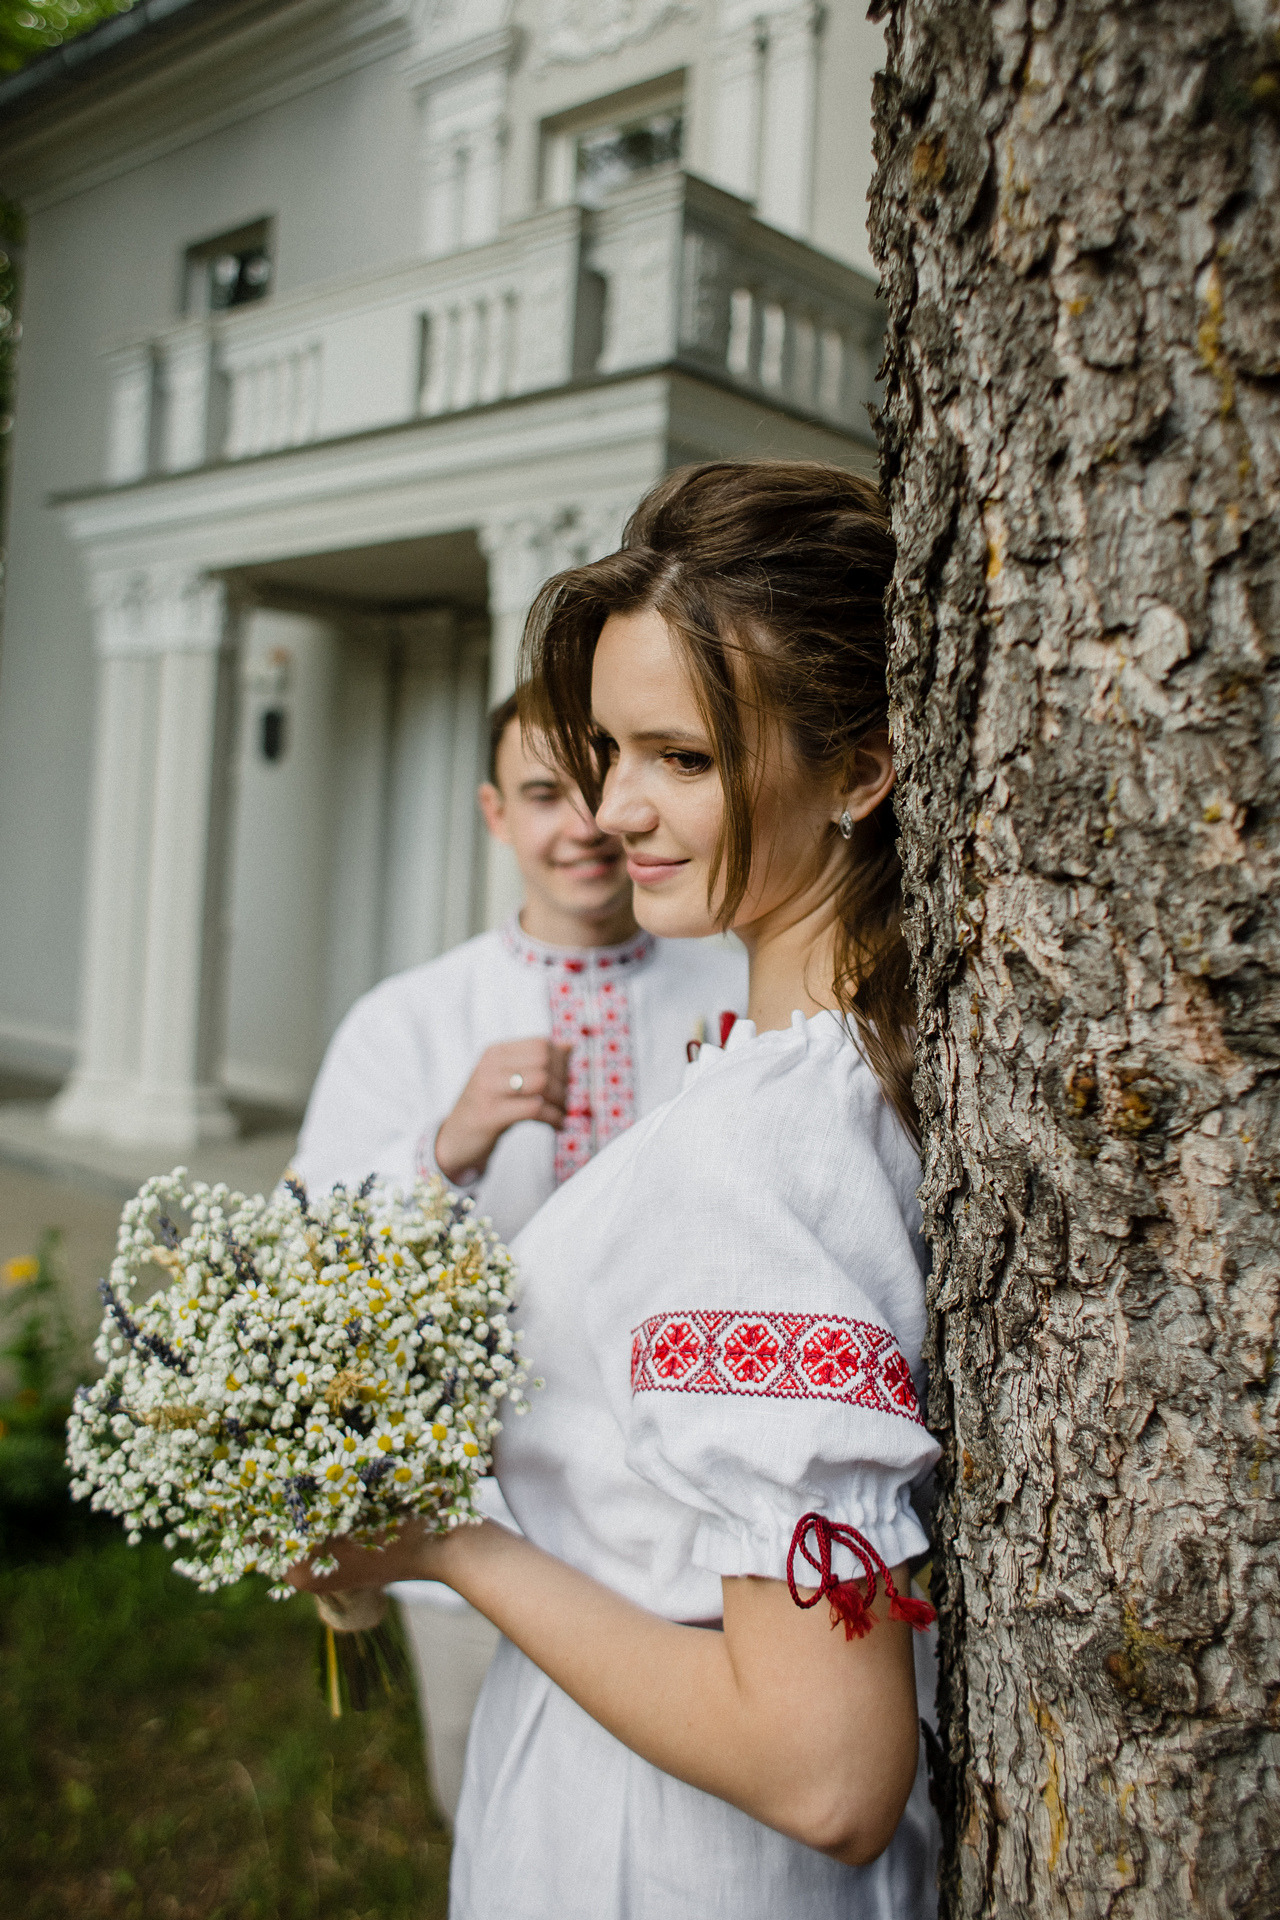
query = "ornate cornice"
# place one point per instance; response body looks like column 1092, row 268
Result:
column 141, row 612
column 426, row 68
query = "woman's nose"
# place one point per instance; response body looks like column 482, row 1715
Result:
column 624, row 807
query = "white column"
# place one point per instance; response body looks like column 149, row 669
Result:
column 132, row 373
column 470, row 742
column 739, row 85
column 519, row 556
column 176, row 1102
column 185, row 381
column 119, row 842
column 361, row 744
column 523, row 552
column 152, row 953
column 790, row 118
column 419, row 801
column 442, row 171
column 458, row 71
column 482, row 183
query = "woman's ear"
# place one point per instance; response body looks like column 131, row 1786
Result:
column 872, row 776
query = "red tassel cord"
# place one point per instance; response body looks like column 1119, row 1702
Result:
column 850, row 1607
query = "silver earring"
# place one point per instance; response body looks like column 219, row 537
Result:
column 845, row 825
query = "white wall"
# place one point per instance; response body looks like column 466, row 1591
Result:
column 336, row 167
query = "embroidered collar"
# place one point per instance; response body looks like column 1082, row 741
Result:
column 536, row 953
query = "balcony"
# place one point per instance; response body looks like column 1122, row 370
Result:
column 669, row 271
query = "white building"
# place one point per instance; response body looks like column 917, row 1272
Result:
column 345, row 323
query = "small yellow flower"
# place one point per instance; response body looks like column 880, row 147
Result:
column 20, row 1271
column 385, row 1442
column 402, row 1473
column 439, row 1431
column 470, row 1447
column 333, row 1472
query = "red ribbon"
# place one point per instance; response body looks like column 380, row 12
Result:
column 850, row 1607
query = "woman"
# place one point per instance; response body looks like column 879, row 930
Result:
column 728, row 1303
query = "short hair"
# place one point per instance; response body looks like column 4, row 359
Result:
column 500, row 718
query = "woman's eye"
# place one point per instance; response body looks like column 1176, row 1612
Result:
column 688, row 762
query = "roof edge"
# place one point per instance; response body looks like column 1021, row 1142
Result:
column 145, row 22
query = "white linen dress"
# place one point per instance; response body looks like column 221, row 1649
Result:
column 396, row 1067
column 727, row 1306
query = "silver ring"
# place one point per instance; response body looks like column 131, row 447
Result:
column 516, row 1082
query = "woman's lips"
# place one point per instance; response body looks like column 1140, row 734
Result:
column 645, row 871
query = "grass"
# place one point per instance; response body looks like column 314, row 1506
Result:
column 167, row 1755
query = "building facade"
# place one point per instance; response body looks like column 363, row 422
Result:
column 345, row 323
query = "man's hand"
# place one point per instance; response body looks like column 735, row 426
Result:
column 492, row 1101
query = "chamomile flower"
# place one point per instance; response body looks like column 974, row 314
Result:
column 315, row 1367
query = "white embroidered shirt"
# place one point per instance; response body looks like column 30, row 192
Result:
column 402, row 1056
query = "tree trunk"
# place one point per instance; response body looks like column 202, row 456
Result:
column 1077, row 215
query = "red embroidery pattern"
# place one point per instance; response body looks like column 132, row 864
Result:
column 780, row 1356
column 590, row 1012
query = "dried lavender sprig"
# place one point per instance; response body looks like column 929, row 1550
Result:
column 246, row 1272
column 154, row 1343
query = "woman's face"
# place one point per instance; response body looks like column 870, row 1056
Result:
column 663, row 799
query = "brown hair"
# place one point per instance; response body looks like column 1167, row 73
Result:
column 771, row 577
column 500, row 718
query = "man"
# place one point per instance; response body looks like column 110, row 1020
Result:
column 504, row 1065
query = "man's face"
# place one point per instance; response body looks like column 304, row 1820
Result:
column 563, row 857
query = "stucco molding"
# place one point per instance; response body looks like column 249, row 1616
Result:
column 427, row 68
column 144, row 612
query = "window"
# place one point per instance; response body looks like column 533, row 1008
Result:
column 589, row 153
column 612, row 156
column 229, row 270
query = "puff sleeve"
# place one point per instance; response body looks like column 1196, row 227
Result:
column 778, row 1369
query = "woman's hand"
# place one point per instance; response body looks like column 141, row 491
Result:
column 414, row 1554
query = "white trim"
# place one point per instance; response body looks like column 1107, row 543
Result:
column 433, row 476
column 424, row 69
column 454, row 471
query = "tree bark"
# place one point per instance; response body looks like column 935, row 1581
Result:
column 1077, row 217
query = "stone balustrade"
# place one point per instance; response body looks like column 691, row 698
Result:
column 671, row 271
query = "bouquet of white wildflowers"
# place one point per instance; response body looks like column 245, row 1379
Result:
column 315, row 1368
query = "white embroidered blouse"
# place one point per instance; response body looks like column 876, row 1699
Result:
column 727, row 1307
